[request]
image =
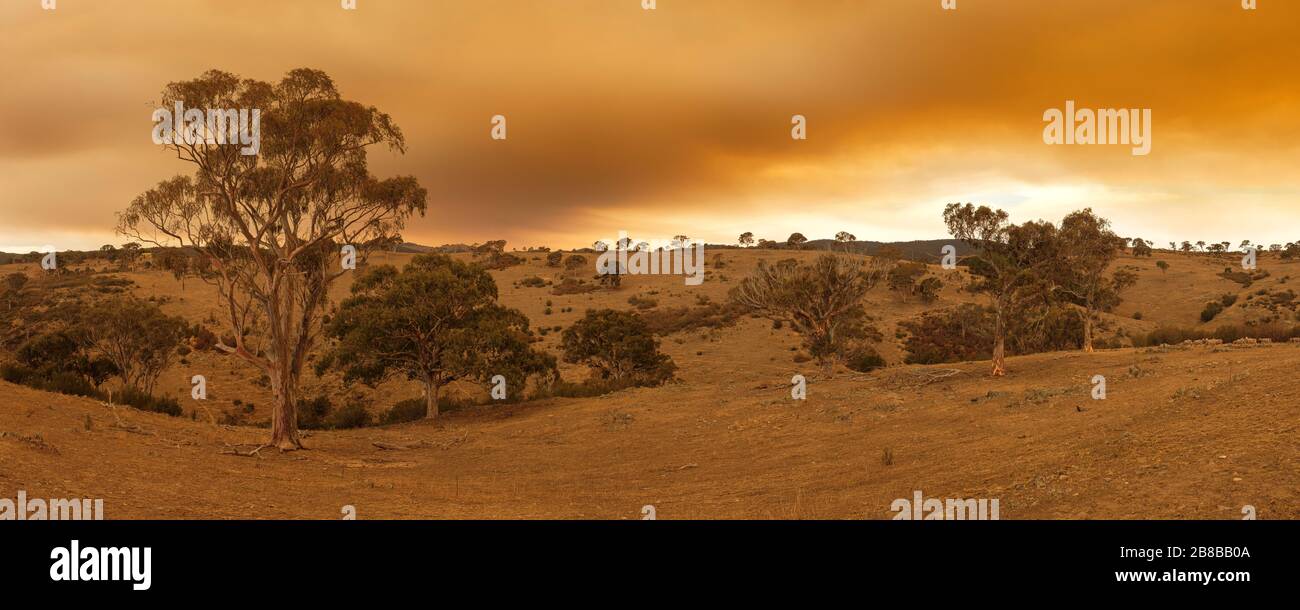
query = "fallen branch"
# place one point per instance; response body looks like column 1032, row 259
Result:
column 234, row 450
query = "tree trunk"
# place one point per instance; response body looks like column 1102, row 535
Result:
column 999, row 343
column 284, row 413
column 1087, row 332
column 431, row 401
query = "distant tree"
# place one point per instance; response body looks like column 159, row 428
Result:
column 844, row 238
column 177, row 262
column 1010, row 265
column 1186, row 247
column 1200, row 245
column 1088, row 247
column 1173, row 246
column 679, row 241
column 822, row 301
column 575, row 261
column 1141, row 247
column 767, row 244
column 136, row 336
column 796, row 240
column 903, row 277
column 13, row 285
column 434, row 322
column 746, row 239
column 929, row 289
column 618, row 346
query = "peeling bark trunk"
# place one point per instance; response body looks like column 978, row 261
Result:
column 1087, row 332
column 284, row 413
column 999, row 343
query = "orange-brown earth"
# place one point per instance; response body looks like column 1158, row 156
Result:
column 1185, row 431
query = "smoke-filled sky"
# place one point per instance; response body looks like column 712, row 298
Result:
column 677, row 120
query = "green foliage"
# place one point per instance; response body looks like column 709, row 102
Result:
column 319, row 414
column 436, row 321
column 669, row 320
column 409, row 410
column 618, row 346
column 963, row 333
column 147, row 402
column 137, row 337
column 929, row 289
column 822, row 301
column 863, row 359
column 1211, row 309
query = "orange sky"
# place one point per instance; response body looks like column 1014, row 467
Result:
column 677, row 120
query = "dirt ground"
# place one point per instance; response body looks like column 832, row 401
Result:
column 1185, row 432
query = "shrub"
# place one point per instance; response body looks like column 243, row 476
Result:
column 411, row 409
column 681, row 319
column 575, row 262
column 147, row 402
column 312, row 413
column 1211, row 309
column 618, row 346
column 640, row 302
column 1228, row 299
column 532, row 282
column 66, row 382
column 822, row 300
column 963, row 333
column 929, row 289
column 863, row 359
column 352, row 415
column 572, row 286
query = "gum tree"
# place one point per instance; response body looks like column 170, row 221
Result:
column 822, row 300
column 1011, row 263
column 434, row 322
column 270, row 225
column 1088, row 247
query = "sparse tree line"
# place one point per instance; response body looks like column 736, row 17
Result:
column 1045, row 284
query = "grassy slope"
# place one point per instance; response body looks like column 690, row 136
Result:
column 1194, row 432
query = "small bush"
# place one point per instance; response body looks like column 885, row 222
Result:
column 352, row 415
column 145, row 402
column 312, row 413
column 411, row 409
column 1211, row 309
column 863, row 359
column 641, row 302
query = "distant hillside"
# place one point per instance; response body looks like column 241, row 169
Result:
column 924, row 250
column 410, row 248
